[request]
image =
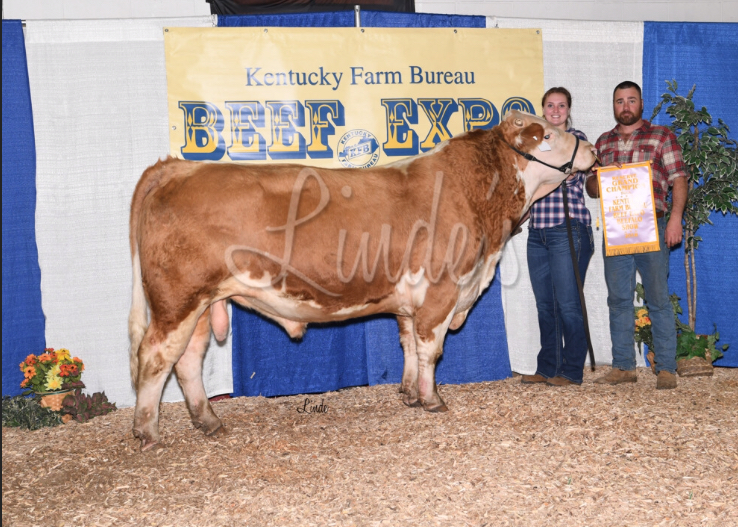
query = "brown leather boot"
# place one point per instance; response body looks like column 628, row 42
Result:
column 533, row 379
column 666, row 381
column 560, row 381
column 617, row 376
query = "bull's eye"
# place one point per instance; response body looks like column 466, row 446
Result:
column 547, row 137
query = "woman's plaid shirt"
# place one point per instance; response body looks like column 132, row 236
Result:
column 650, row 141
column 549, row 211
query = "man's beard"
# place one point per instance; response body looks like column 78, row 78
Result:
column 626, row 119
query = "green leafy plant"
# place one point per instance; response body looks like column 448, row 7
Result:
column 689, row 344
column 83, row 407
column 27, row 412
column 712, row 166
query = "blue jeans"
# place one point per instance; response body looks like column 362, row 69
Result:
column 563, row 340
column 620, row 275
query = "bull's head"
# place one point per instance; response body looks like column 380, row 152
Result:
column 551, row 154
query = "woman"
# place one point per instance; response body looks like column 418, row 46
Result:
column 563, row 340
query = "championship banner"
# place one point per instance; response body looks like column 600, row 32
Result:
column 628, row 209
column 351, row 97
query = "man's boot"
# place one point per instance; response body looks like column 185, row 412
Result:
column 533, row 379
column 617, row 376
column 666, row 380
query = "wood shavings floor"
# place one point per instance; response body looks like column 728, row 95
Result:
column 505, row 454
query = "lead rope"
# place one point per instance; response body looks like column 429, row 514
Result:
column 575, row 264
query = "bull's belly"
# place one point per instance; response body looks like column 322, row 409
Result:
column 402, row 298
column 301, row 311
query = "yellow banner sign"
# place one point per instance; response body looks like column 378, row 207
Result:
column 628, row 209
column 341, row 96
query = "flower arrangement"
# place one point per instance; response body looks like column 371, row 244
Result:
column 643, row 333
column 52, row 371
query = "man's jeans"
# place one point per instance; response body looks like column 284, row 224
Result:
column 557, row 298
column 620, row 275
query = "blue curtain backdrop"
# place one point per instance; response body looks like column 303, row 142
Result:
column 23, row 319
column 706, row 55
column 266, row 362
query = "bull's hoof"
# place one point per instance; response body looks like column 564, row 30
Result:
column 208, row 426
column 410, row 399
column 147, row 441
column 149, row 445
column 436, row 408
column 412, row 403
column 218, row 432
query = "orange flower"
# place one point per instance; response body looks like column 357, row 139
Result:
column 79, row 363
column 25, row 383
column 31, row 360
column 67, row 370
column 29, row 372
column 46, row 357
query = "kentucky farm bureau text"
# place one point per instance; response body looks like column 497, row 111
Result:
column 416, row 75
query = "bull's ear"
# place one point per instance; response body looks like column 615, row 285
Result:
column 515, row 118
column 530, row 136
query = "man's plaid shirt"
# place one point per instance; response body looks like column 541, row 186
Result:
column 650, row 141
column 549, row 211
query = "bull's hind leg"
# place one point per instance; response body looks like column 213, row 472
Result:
column 409, row 386
column 156, row 357
column 189, row 374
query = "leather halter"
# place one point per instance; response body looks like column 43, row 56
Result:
column 566, row 168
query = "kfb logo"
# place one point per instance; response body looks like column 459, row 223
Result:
column 358, row 149
column 252, row 138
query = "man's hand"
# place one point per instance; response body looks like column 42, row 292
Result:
column 674, row 232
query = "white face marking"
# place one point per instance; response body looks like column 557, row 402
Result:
column 544, row 146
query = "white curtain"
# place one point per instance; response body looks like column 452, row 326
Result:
column 99, row 98
column 589, row 59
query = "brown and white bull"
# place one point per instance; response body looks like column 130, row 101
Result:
column 419, row 238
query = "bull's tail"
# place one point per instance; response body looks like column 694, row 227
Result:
column 137, row 318
column 138, row 322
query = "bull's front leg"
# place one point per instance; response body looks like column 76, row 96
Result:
column 409, row 386
column 429, row 343
column 428, row 355
column 189, row 374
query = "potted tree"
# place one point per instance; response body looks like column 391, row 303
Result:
column 712, row 167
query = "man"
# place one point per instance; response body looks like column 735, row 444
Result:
column 635, row 140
